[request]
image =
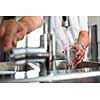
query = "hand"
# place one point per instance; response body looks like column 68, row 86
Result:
column 80, row 53
column 10, row 32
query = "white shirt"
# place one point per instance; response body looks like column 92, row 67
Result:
column 65, row 36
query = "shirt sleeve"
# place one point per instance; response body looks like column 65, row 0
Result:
column 83, row 23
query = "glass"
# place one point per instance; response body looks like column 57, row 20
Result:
column 66, row 57
column 70, row 54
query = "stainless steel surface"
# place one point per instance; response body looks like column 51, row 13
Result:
column 68, row 77
column 89, row 64
column 7, row 66
column 7, row 72
column 11, row 68
column 75, row 75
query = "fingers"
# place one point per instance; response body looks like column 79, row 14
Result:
column 79, row 56
column 14, row 42
column 8, row 37
column 73, row 46
column 80, row 60
column 2, row 31
column 7, row 43
column 22, row 32
column 20, row 35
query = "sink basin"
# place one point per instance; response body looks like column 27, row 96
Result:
column 10, row 66
column 8, row 70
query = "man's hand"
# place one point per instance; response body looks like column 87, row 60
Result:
column 10, row 32
column 80, row 46
column 80, row 53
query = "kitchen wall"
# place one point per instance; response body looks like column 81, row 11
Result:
column 94, row 21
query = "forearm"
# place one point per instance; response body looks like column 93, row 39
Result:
column 83, row 38
column 31, row 22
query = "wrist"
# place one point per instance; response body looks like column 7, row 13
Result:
column 23, row 26
column 28, row 24
column 82, row 45
column 22, row 31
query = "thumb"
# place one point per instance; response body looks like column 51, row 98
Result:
column 20, row 35
column 72, row 46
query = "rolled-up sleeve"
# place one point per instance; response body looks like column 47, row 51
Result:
column 83, row 23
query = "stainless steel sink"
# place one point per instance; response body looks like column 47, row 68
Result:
column 9, row 69
column 84, row 73
column 10, row 66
